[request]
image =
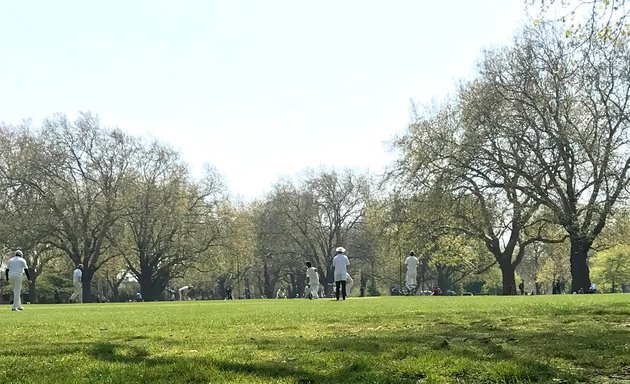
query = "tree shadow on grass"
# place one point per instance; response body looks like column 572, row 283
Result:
column 355, row 371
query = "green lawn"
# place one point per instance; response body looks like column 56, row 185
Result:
column 555, row 339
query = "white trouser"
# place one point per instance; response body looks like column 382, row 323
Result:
column 16, row 283
column 315, row 290
column 412, row 278
column 78, row 292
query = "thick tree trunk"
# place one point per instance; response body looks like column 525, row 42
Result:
column 509, row 282
column 32, row 292
column 150, row 289
column 580, row 278
column 86, row 280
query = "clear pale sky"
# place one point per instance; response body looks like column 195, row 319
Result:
column 258, row 89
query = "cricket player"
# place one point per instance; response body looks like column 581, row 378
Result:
column 349, row 283
column 15, row 267
column 183, row 292
column 312, row 278
column 340, row 264
column 77, row 284
column 412, row 271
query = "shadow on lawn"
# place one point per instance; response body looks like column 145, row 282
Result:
column 372, row 358
column 354, row 372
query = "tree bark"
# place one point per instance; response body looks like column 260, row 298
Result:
column 32, row 292
column 509, row 282
column 580, row 273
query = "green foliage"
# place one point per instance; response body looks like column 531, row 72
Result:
column 611, row 268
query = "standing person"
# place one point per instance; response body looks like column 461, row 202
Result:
column 349, row 283
column 15, row 267
column 411, row 277
column 77, row 284
column 312, row 277
column 521, row 287
column 340, row 264
column 183, row 292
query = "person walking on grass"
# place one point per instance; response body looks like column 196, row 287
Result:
column 77, row 284
column 16, row 266
column 411, row 278
column 340, row 264
column 312, row 278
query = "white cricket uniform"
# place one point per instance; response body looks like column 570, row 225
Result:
column 77, row 294
column 16, row 266
column 183, row 292
column 349, row 283
column 313, row 281
column 341, row 263
column 412, row 271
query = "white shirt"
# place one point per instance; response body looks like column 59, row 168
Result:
column 16, row 266
column 412, row 262
column 312, row 275
column 77, row 275
column 185, row 288
column 341, row 263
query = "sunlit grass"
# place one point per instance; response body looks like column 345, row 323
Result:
column 570, row 338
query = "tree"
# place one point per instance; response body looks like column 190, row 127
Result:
column 79, row 174
column 168, row 222
column 440, row 155
column 611, row 268
column 558, row 115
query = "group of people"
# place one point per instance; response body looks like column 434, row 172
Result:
column 17, row 267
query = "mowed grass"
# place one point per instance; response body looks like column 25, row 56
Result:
column 554, row 339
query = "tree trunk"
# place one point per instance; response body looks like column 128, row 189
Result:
column 580, row 278
column 86, row 280
column 32, row 292
column 509, row 282
column 151, row 289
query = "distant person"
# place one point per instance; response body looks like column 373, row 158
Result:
column 340, row 264
column 183, row 292
column 16, row 266
column 281, row 293
column 228, row 293
column 349, row 283
column 77, row 285
column 411, row 278
column 138, row 297
column 312, row 279
column 521, row 287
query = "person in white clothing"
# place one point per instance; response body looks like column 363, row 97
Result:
column 183, row 292
column 349, row 283
column 411, row 278
column 77, row 284
column 312, row 279
column 16, row 266
column 340, row 264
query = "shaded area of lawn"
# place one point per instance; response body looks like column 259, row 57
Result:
column 386, row 340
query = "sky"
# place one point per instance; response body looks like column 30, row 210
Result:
column 260, row 90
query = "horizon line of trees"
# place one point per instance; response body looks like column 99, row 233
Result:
column 524, row 170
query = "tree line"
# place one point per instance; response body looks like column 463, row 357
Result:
column 523, row 170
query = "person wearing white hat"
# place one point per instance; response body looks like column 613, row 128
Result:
column 15, row 267
column 340, row 264
column 77, row 284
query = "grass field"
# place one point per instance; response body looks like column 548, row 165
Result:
column 554, row 339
